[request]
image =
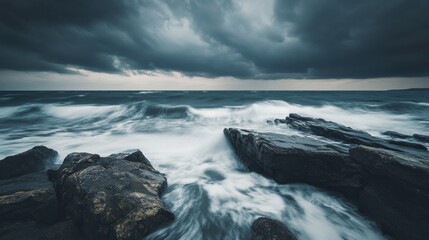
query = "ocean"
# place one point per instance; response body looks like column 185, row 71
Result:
column 181, row 132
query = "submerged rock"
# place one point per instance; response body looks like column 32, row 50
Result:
column 33, row 160
column 114, row 197
column 269, row 229
column 289, row 159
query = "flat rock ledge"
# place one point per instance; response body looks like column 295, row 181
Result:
column 388, row 181
column 296, row 159
column 88, row 197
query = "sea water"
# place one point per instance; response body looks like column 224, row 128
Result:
column 212, row 195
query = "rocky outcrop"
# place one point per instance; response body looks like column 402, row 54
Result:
column 337, row 132
column 388, row 181
column 269, row 229
column 28, row 203
column 290, row 159
column 114, row 197
column 29, row 197
column 397, row 193
column 33, row 160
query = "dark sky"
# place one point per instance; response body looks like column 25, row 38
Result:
column 234, row 39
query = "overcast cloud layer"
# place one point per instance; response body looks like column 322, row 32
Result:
column 211, row 38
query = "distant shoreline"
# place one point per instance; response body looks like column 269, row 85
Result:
column 107, row 90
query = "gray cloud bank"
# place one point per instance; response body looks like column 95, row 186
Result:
column 212, row 38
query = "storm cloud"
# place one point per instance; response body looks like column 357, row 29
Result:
column 211, row 38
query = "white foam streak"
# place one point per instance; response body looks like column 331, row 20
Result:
column 6, row 112
column 327, row 215
column 260, row 112
column 145, row 92
column 82, row 111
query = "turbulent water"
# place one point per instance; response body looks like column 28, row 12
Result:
column 212, row 195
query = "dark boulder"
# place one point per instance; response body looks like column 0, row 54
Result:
column 28, row 203
column 289, row 159
column 338, row 132
column 269, row 229
column 33, row 160
column 397, row 193
column 114, row 197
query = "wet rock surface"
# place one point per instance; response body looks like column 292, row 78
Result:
column 421, row 138
column 28, row 197
column 393, row 167
column 295, row 159
column 33, row 160
column 388, row 181
column 28, row 204
column 30, row 230
column 394, row 134
column 269, row 229
column 397, row 193
column 91, row 197
column 114, row 197
column 338, row 132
